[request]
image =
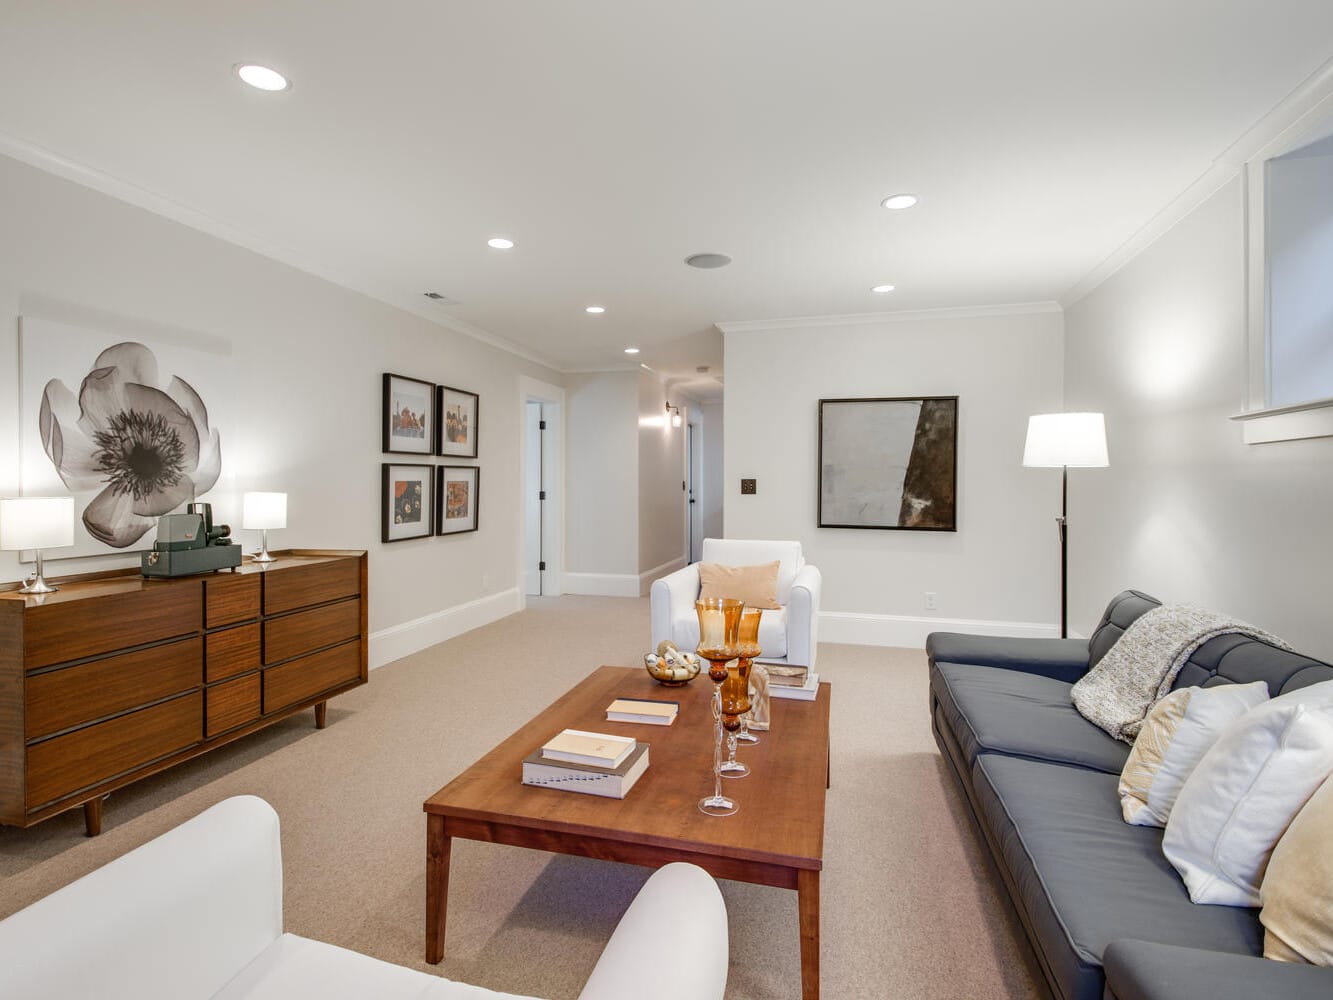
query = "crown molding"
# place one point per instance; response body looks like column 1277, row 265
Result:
column 1313, row 97
column 902, row 316
column 108, row 184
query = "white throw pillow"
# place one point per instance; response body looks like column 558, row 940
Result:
column 1245, row 792
column 1178, row 731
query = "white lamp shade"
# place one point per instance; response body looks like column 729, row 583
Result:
column 1077, row 440
column 264, row 510
column 36, row 522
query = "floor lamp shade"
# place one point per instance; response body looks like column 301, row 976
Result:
column 264, row 510
column 36, row 522
column 1072, row 440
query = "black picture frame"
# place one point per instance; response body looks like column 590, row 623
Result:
column 399, row 523
column 457, row 417
column 889, row 463
column 449, row 519
column 408, row 415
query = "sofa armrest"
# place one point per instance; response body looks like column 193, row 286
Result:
column 803, row 617
column 671, row 943
column 1142, row 970
column 175, row 918
column 670, row 594
column 1063, row 659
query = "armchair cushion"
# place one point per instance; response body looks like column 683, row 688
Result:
column 753, row 551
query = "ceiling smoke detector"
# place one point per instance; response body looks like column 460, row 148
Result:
column 708, row 261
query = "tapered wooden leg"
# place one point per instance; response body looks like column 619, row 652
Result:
column 321, row 713
column 807, row 895
column 92, row 816
column 437, row 886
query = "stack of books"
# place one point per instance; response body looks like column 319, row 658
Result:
column 795, row 682
column 645, row 710
column 591, row 763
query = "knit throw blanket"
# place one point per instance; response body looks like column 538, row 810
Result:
column 1140, row 668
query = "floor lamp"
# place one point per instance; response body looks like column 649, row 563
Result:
column 1062, row 440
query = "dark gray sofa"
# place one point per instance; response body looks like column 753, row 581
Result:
column 1106, row 913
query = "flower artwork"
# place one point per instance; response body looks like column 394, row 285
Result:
column 408, row 502
column 143, row 443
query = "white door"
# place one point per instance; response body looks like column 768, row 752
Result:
column 694, row 492
column 532, row 503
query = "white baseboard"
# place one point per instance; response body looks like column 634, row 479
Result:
column 899, row 630
column 397, row 641
column 618, row 584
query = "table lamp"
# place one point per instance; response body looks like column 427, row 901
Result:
column 36, row 523
column 1062, row 440
column 264, row 511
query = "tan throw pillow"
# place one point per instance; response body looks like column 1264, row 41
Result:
column 1178, row 731
column 757, row 586
column 1297, row 891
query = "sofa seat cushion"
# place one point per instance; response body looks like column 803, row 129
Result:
column 1020, row 714
column 294, row 966
column 1082, row 878
column 772, row 632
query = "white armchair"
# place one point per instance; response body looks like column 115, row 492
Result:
column 786, row 635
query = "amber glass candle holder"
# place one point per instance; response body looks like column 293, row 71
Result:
column 736, row 692
column 719, row 625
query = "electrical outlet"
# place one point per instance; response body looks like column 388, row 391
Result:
column 932, row 601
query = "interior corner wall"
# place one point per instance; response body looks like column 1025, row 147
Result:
column 306, row 359
column 661, row 474
column 602, row 483
column 1186, row 511
column 999, row 571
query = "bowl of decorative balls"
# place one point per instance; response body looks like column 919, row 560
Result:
column 670, row 667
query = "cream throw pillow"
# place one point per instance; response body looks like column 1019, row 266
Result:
column 757, row 586
column 1298, row 887
column 1173, row 739
column 1236, row 804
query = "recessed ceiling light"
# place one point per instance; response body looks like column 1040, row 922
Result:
column 261, row 77
column 882, row 288
column 708, row 261
column 897, row 202
column 500, row 243
column 631, row 350
column 595, row 309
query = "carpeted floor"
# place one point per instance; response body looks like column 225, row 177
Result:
column 910, row 907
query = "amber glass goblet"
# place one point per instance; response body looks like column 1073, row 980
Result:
column 749, row 640
column 719, row 622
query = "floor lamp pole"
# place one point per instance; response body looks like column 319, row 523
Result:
column 1063, row 521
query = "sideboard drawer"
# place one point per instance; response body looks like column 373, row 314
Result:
column 65, row 764
column 300, row 633
column 230, row 598
column 231, row 704
column 70, row 631
column 287, row 588
column 232, row 651
column 71, row 696
column 297, row 680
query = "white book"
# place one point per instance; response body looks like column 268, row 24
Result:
column 806, row 692
column 644, row 710
column 613, row 784
column 574, row 746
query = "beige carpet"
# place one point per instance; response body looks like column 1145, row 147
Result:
column 910, row 906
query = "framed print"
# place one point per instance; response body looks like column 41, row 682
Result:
column 409, row 416
column 889, row 463
column 456, row 434
column 457, row 509
column 407, row 495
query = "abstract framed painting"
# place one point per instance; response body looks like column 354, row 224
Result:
column 409, row 415
column 456, row 431
column 889, row 463
column 407, row 499
column 457, row 486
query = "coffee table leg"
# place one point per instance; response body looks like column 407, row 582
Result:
column 437, row 886
column 807, row 896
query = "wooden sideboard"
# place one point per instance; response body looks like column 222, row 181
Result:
column 115, row 677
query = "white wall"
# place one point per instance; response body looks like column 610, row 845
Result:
column 661, row 471
column 1000, row 569
column 307, row 359
column 713, row 468
column 1186, row 511
column 602, row 481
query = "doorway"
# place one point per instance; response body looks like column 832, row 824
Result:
column 694, row 508
column 540, row 542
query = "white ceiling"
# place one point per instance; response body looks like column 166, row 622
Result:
column 611, row 138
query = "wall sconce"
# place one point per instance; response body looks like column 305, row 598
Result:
column 675, row 414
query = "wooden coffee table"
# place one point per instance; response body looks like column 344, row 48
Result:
column 775, row 838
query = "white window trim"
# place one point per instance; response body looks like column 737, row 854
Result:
column 1261, row 423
